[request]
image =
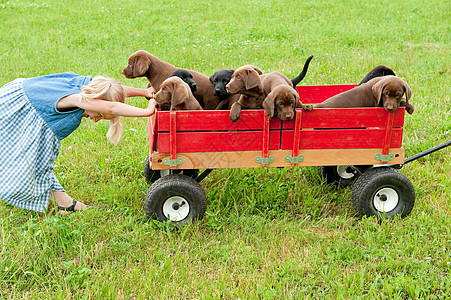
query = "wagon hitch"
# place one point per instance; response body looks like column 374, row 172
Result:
column 421, row 154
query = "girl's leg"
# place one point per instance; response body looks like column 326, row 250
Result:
column 64, row 200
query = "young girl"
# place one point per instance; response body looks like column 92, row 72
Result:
column 36, row 114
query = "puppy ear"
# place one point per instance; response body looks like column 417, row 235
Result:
column 269, row 104
column 377, row 90
column 407, row 90
column 252, row 79
column 409, row 106
column 180, row 94
column 141, row 64
column 260, row 72
column 297, row 100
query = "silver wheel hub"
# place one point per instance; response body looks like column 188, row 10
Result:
column 386, row 199
column 176, row 208
column 165, row 172
column 342, row 171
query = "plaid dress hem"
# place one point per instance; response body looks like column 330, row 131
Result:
column 29, row 149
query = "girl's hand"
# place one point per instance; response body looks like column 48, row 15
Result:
column 150, row 93
column 151, row 106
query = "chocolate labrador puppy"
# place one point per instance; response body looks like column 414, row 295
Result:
column 273, row 91
column 143, row 64
column 281, row 99
column 176, row 93
column 222, row 77
column 246, row 82
column 386, row 92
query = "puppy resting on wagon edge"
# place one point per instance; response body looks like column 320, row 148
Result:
column 36, row 114
column 386, row 92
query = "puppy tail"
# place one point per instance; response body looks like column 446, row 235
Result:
column 295, row 81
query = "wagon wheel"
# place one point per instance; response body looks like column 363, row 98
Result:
column 342, row 176
column 383, row 192
column 177, row 198
column 152, row 175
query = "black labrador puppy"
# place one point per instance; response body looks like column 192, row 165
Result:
column 222, row 77
column 187, row 77
column 378, row 71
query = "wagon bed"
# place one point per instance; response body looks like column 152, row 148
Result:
column 322, row 137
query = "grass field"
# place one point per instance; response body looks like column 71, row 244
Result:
column 268, row 233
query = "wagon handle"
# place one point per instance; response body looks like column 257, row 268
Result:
column 421, row 154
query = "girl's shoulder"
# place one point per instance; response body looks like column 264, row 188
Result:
column 67, row 79
column 68, row 102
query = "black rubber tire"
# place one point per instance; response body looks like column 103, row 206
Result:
column 372, row 187
column 331, row 174
column 153, row 175
column 150, row 175
column 179, row 187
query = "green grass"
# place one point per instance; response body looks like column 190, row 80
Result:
column 267, row 233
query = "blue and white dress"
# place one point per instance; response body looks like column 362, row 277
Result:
column 31, row 128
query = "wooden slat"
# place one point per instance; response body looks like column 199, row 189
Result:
column 246, row 159
column 173, row 136
column 388, row 133
column 265, row 136
column 219, row 141
column 347, row 118
column 151, row 132
column 319, row 93
column 341, row 138
column 297, row 133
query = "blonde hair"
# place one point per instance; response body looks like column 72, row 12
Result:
column 106, row 89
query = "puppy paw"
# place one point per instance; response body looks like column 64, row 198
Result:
column 307, row 107
column 270, row 114
column 234, row 118
column 235, row 112
column 409, row 108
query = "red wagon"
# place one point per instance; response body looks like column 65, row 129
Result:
column 349, row 145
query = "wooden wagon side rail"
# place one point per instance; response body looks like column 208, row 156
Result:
column 209, row 140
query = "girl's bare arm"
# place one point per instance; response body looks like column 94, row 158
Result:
column 136, row 92
column 117, row 108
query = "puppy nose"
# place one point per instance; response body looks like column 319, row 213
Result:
column 287, row 117
column 389, row 107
